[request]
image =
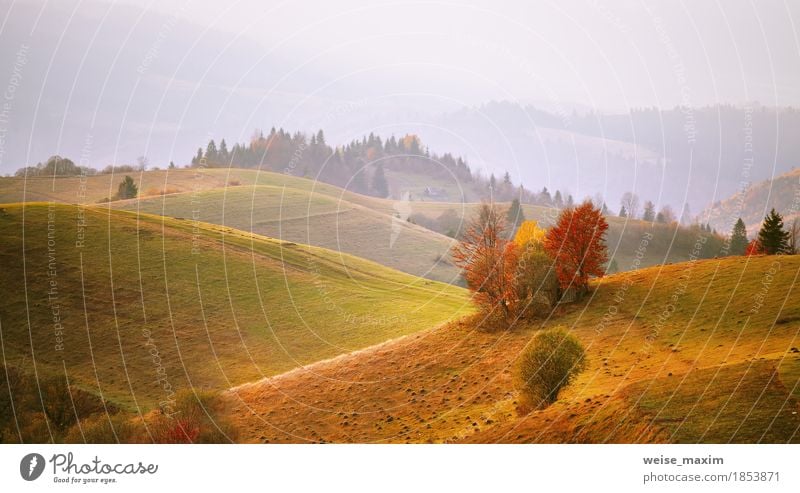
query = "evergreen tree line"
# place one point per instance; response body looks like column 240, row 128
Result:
column 359, row 166
column 772, row 238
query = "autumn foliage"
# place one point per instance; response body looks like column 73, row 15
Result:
column 754, row 248
column 177, row 430
column 529, row 231
column 526, row 276
column 577, row 244
column 488, row 261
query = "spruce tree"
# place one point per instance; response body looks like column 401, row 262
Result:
column 211, row 152
column 358, row 183
column 773, row 238
column 223, row 151
column 558, row 201
column 127, row 189
column 515, row 216
column 738, row 238
column 649, row 214
column 623, row 212
column 545, row 198
column 379, row 185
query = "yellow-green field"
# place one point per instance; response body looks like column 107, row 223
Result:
column 307, row 211
column 695, row 352
column 147, row 304
column 298, row 215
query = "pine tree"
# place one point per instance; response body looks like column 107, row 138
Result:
column 127, row 189
column 211, row 152
column 623, row 212
column 223, row 151
column 773, row 239
column 507, row 179
column 558, row 202
column 514, row 216
column 198, row 160
column 358, row 183
column 379, row 185
column 544, row 197
column 649, row 214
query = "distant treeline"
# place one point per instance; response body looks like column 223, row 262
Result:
column 359, row 166
column 61, row 166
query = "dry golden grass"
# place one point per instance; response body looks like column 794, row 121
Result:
column 720, row 368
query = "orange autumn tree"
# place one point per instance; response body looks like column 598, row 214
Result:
column 577, row 243
column 488, row 261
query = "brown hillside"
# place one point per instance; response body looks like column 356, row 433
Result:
column 723, row 366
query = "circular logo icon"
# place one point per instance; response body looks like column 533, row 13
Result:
column 31, row 467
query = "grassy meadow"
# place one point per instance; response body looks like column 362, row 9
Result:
column 298, row 215
column 319, row 316
column 126, row 305
column 307, row 211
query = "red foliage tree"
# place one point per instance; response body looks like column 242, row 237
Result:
column 177, row 430
column 488, row 261
column 754, row 248
column 577, row 243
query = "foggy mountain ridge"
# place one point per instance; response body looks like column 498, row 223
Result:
column 104, row 84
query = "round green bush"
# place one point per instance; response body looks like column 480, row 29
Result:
column 548, row 364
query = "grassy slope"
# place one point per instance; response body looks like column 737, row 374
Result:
column 623, row 239
column 241, row 308
column 273, row 204
column 98, row 187
column 721, row 368
column 297, row 215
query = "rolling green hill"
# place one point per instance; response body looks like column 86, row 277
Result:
column 305, row 211
column 97, row 188
column 299, row 215
column 133, row 307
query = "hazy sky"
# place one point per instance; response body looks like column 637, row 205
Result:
column 104, row 82
column 606, row 54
